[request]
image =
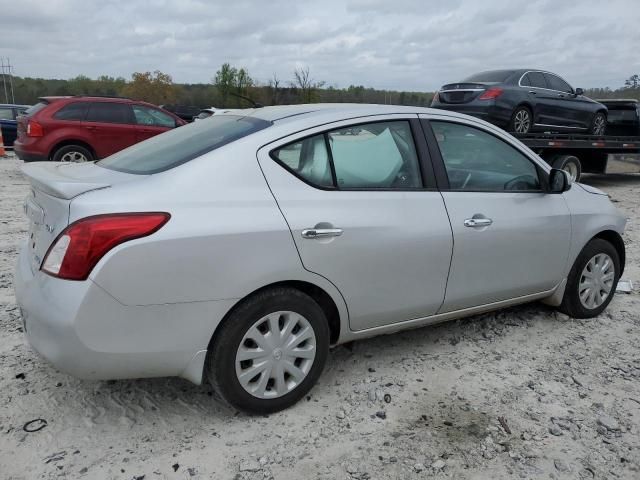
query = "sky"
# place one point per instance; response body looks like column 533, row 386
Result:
column 414, row 45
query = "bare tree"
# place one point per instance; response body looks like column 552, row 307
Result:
column 306, row 84
column 274, row 84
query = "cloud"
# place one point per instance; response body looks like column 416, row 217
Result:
column 399, row 44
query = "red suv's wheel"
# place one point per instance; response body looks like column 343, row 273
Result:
column 73, row 153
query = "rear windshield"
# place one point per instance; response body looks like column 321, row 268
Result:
column 182, row 144
column 622, row 116
column 36, row 108
column 496, row 76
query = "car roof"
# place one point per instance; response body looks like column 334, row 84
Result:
column 348, row 110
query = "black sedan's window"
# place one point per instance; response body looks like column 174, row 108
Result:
column 493, row 76
column 537, row 79
column 556, row 83
column 183, row 144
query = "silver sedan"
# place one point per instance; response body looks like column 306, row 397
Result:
column 238, row 249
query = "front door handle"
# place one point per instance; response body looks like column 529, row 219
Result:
column 477, row 222
column 321, row 232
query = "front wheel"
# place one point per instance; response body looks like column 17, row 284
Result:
column 592, row 280
column 598, row 124
column 521, row 120
column 270, row 351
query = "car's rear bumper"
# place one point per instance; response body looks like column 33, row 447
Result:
column 26, row 154
column 83, row 331
column 487, row 111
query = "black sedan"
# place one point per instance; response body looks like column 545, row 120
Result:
column 524, row 101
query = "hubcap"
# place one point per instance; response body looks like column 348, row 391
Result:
column 572, row 170
column 596, row 281
column 599, row 125
column 276, row 354
column 522, row 121
column 75, row 157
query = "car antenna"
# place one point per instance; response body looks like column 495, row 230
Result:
column 253, row 103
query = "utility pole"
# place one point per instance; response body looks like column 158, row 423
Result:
column 5, row 68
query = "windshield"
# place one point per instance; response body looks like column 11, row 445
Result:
column 182, row 144
column 493, row 76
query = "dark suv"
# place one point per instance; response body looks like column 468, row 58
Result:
column 83, row 128
column 523, row 101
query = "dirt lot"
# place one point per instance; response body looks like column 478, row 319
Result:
column 425, row 403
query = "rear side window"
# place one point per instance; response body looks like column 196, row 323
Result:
column 73, row 111
column 370, row 156
column 183, row 144
column 106, row 112
column 537, row 79
column 556, row 83
column 152, row 117
column 6, row 113
column 525, row 81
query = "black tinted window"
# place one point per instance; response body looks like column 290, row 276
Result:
column 72, row 111
column 183, row 144
column 556, row 83
column 109, row 113
column 491, row 76
column 525, row 81
column 537, row 80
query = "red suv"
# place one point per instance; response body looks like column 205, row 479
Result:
column 83, row 128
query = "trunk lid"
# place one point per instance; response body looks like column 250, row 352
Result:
column 53, row 188
column 462, row 92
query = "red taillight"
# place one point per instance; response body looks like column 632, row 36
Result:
column 82, row 244
column 491, row 93
column 34, row 129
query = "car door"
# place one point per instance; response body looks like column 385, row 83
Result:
column 361, row 203
column 151, row 122
column 511, row 238
column 111, row 127
column 540, row 97
column 569, row 110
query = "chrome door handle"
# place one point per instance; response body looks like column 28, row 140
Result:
column 534, row 93
column 321, row 232
column 477, row 222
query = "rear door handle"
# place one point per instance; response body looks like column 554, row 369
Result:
column 532, row 92
column 321, row 232
column 477, row 222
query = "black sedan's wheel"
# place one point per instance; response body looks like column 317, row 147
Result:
column 521, row 120
column 592, row 280
column 270, row 351
column 73, row 153
column 598, row 124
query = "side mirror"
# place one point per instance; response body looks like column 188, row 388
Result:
column 579, row 91
column 559, row 181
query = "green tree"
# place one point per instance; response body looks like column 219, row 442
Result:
column 156, row 87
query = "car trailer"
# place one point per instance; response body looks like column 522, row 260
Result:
column 578, row 154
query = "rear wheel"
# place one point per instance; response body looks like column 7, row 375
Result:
column 592, row 281
column 73, row 153
column 521, row 120
column 569, row 164
column 598, row 124
column 270, row 351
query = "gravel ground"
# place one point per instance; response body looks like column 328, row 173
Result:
column 519, row 393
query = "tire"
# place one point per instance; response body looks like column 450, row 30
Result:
column 73, row 153
column 572, row 304
column 598, row 124
column 521, row 121
column 253, row 318
column 569, row 164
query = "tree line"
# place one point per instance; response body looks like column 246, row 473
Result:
column 230, row 84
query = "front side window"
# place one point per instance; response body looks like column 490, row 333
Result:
column 477, row 161
column 556, row 83
column 152, row 117
column 106, row 112
column 371, row 156
column 73, row 111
